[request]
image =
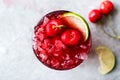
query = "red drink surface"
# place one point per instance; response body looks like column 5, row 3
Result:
column 52, row 52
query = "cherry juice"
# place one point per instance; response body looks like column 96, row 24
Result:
column 52, row 51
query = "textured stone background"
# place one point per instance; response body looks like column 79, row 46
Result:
column 17, row 21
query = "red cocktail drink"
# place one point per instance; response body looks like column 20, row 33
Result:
column 62, row 40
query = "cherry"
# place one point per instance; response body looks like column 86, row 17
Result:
column 95, row 15
column 71, row 37
column 54, row 27
column 106, row 7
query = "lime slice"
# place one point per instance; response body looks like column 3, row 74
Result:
column 106, row 58
column 76, row 21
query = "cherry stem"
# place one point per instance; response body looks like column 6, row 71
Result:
column 111, row 25
column 112, row 28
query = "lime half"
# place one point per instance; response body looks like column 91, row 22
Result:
column 106, row 58
column 76, row 21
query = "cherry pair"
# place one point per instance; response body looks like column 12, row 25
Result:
column 105, row 8
column 68, row 36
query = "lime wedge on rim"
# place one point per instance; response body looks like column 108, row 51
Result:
column 106, row 58
column 76, row 21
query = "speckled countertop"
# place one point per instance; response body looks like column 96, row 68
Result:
column 17, row 21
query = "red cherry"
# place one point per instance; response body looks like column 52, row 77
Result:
column 95, row 15
column 71, row 37
column 106, row 7
column 53, row 27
